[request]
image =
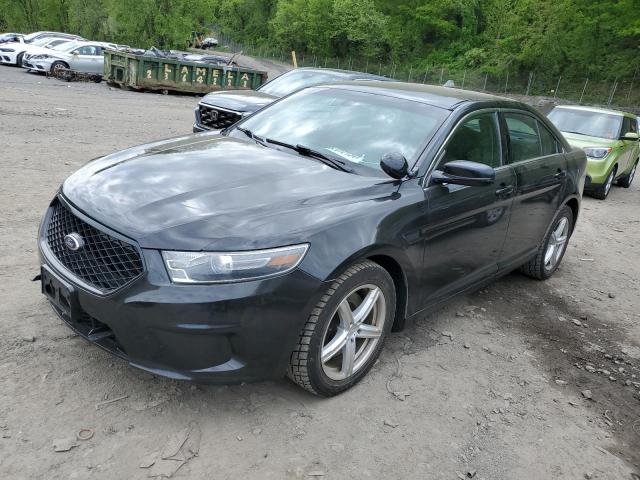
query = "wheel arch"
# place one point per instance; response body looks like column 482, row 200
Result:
column 399, row 267
column 399, row 278
column 574, row 204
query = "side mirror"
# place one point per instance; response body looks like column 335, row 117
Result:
column 463, row 172
column 395, row 165
column 631, row 136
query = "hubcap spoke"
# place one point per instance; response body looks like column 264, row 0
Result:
column 363, row 310
column 346, row 315
column 348, row 356
column 368, row 331
column 336, row 344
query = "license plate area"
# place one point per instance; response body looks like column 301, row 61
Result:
column 61, row 294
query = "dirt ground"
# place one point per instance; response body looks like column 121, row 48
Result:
column 489, row 387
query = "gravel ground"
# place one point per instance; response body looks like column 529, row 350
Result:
column 488, row 386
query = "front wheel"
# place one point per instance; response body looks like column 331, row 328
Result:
column 628, row 179
column 551, row 252
column 602, row 192
column 19, row 59
column 343, row 336
column 57, row 68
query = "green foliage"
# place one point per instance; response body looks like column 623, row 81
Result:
column 575, row 38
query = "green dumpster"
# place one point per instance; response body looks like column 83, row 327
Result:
column 153, row 73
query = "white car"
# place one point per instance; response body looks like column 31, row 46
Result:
column 12, row 53
column 83, row 57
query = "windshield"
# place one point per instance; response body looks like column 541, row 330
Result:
column 297, row 79
column 584, row 122
column 66, row 46
column 353, row 126
column 55, row 43
column 41, row 41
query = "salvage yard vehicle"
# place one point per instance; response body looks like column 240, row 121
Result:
column 84, row 57
column 40, row 46
column 10, row 37
column 222, row 109
column 12, row 53
column 297, row 239
column 610, row 140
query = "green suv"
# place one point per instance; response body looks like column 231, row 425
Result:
column 610, row 140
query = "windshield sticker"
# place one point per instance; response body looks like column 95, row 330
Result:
column 346, row 155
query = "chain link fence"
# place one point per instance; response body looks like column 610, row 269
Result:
column 621, row 93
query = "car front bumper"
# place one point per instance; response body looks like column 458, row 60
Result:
column 37, row 65
column 217, row 333
column 8, row 58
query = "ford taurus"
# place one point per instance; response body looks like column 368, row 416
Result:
column 296, row 240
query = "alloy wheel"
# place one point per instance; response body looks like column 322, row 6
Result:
column 353, row 332
column 633, row 173
column 557, row 244
column 57, row 68
column 607, row 187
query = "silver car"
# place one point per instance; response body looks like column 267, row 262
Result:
column 83, row 57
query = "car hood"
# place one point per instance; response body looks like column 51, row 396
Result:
column 36, row 50
column 582, row 141
column 210, row 192
column 238, row 100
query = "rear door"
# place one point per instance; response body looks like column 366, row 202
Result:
column 467, row 225
column 540, row 167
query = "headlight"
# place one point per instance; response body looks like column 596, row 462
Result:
column 597, row 152
column 216, row 267
column 7, row 50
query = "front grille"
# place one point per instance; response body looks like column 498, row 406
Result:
column 217, row 119
column 104, row 261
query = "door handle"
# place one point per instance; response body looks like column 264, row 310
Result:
column 561, row 174
column 504, row 192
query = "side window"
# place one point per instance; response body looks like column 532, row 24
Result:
column 548, row 141
column 477, row 139
column 86, row 50
column 523, row 137
column 629, row 125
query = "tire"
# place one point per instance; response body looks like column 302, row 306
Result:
column 336, row 332
column 543, row 266
column 602, row 192
column 55, row 66
column 628, row 179
column 19, row 59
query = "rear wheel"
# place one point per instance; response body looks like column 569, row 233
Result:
column 628, row 179
column 551, row 252
column 19, row 59
column 602, row 192
column 343, row 336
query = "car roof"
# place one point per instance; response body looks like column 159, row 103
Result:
column 347, row 74
column 595, row 110
column 82, row 43
column 442, row 97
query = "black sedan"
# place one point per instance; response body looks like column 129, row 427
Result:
column 298, row 239
column 218, row 110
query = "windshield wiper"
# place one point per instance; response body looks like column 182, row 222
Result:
column 251, row 135
column 310, row 152
column 577, row 133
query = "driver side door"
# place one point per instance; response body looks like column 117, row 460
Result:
column 467, row 225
